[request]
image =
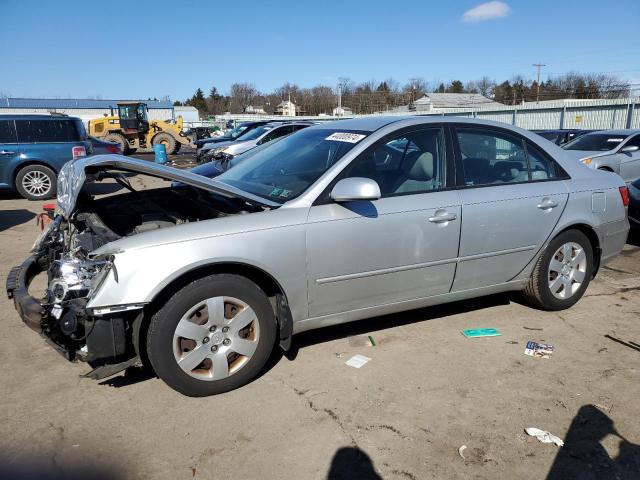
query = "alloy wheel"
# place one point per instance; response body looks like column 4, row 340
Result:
column 567, row 270
column 36, row 183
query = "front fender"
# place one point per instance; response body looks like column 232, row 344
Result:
column 141, row 273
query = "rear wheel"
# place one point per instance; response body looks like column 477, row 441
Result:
column 165, row 139
column 562, row 273
column 36, row 182
column 177, row 148
column 212, row 336
column 118, row 138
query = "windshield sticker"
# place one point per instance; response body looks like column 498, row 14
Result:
column 345, row 137
column 285, row 194
column 275, row 192
column 615, row 140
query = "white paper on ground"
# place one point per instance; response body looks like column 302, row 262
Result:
column 357, row 361
column 544, row 436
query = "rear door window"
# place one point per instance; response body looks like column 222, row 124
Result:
column 490, row 157
column 7, row 131
column 47, row 131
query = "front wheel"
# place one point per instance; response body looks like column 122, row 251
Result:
column 212, row 336
column 562, row 273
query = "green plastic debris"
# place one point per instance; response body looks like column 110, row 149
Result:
column 481, row 332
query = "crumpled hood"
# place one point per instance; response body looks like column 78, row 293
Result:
column 213, row 145
column 73, row 175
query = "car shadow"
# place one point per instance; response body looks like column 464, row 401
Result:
column 134, row 375
column 11, row 218
column 374, row 324
column 352, row 462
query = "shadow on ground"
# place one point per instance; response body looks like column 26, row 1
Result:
column 350, row 463
column 11, row 218
column 584, row 457
column 33, row 469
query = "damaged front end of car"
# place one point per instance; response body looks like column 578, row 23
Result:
column 84, row 223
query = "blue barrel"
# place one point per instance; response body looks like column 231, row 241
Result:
column 160, row 153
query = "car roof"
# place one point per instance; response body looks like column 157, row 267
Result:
column 366, row 124
column 620, row 131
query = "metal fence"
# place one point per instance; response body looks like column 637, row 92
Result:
column 549, row 115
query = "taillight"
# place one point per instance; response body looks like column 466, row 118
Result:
column 113, row 149
column 624, row 194
column 78, row 152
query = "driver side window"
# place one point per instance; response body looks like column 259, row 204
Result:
column 407, row 164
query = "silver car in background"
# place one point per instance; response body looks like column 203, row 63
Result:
column 610, row 150
column 258, row 136
column 335, row 223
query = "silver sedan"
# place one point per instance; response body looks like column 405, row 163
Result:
column 609, row 150
column 335, row 223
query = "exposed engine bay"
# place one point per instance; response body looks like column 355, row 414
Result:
column 64, row 252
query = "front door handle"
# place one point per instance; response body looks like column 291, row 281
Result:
column 442, row 218
column 6, row 152
column 547, row 204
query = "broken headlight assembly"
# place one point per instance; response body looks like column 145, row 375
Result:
column 71, row 277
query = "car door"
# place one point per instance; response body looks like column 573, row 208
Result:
column 512, row 198
column 400, row 247
column 9, row 151
column 630, row 161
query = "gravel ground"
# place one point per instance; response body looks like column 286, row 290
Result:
column 426, row 392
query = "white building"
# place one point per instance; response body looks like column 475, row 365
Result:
column 254, row 110
column 188, row 113
column 342, row 112
column 286, row 108
column 432, row 102
column 83, row 108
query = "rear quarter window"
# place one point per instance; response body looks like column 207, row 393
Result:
column 48, row 131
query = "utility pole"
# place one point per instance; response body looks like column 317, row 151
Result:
column 538, row 66
column 339, row 111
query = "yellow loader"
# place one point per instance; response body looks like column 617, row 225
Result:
column 132, row 130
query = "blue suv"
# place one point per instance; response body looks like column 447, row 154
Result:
column 33, row 148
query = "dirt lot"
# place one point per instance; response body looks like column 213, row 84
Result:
column 426, row 392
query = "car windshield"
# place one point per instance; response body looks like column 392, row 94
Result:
column 284, row 170
column 236, row 132
column 255, row 133
column 595, row 142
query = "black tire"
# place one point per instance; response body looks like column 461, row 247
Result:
column 36, row 182
column 132, row 151
column 120, row 139
column 538, row 292
column 166, row 139
column 176, row 148
column 160, row 337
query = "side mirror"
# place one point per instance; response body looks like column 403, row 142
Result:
column 629, row 149
column 354, row 189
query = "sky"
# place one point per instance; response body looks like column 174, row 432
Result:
column 144, row 49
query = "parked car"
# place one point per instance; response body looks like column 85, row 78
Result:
column 231, row 135
column 258, row 136
column 33, row 149
column 217, row 167
column 561, row 136
column 611, row 150
column 337, row 222
column 634, row 203
column 104, row 147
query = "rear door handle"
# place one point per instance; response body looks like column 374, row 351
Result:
column 442, row 218
column 6, row 152
column 547, row 204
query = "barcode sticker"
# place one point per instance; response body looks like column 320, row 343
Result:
column 345, row 137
